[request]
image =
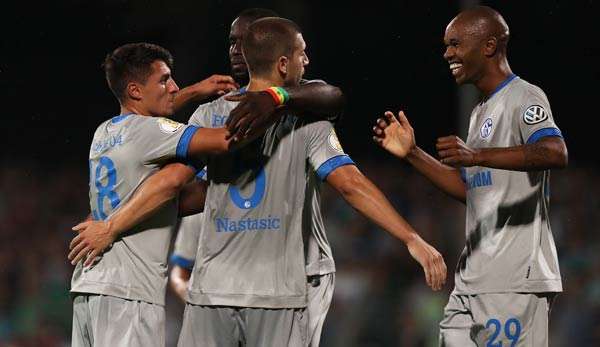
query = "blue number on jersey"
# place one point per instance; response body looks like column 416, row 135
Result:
column 105, row 191
column 512, row 334
column 256, row 197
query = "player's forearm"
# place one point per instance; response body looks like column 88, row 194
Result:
column 316, row 98
column 547, row 153
column 178, row 280
column 209, row 141
column 367, row 199
column 184, row 96
column 445, row 177
column 191, row 198
column 158, row 189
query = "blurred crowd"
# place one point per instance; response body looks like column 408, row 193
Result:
column 380, row 297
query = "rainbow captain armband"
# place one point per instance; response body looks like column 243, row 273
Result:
column 280, row 96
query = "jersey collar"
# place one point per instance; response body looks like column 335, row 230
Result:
column 502, row 85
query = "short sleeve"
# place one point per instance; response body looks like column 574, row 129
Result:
column 534, row 118
column 186, row 243
column 163, row 139
column 324, row 151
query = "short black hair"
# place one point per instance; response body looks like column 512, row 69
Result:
column 266, row 40
column 252, row 14
column 132, row 62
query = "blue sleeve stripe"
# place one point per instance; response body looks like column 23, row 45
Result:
column 331, row 164
column 544, row 132
column 182, row 262
column 184, row 142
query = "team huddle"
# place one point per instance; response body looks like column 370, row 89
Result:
column 252, row 260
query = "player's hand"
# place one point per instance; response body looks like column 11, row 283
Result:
column 214, row 85
column 431, row 261
column 395, row 134
column 454, row 152
column 255, row 112
column 93, row 238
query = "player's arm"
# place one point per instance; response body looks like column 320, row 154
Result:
column 179, row 279
column 315, row 98
column 546, row 153
column 192, row 197
column 214, row 85
column 366, row 198
column 156, row 191
column 397, row 136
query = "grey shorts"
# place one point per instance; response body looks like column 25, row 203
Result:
column 108, row 321
column 506, row 319
column 219, row 326
column 320, row 292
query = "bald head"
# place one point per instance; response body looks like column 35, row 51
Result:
column 484, row 23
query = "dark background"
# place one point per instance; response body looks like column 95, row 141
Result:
column 384, row 56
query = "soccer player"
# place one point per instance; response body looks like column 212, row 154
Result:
column 249, row 282
column 508, row 273
column 119, row 298
column 312, row 97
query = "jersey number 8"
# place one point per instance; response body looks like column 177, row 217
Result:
column 105, row 170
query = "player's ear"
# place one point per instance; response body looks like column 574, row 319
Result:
column 490, row 47
column 133, row 91
column 282, row 65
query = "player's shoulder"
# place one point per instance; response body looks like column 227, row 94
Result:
column 305, row 81
column 528, row 91
column 213, row 113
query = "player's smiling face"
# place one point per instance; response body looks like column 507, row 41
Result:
column 464, row 52
column 158, row 93
column 298, row 61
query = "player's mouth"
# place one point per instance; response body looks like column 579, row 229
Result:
column 456, row 68
column 236, row 63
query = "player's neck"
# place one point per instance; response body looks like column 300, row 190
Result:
column 262, row 83
column 495, row 75
column 128, row 108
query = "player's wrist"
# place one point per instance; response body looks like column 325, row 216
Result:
column 110, row 230
column 279, row 95
column 413, row 153
column 478, row 157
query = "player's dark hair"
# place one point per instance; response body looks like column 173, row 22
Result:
column 132, row 62
column 266, row 40
column 252, row 14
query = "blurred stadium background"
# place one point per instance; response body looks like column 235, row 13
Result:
column 383, row 55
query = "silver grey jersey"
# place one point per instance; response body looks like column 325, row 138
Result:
column 124, row 152
column 509, row 247
column 260, row 207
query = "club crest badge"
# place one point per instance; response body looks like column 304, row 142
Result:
column 535, row 114
column 168, row 126
column 486, row 128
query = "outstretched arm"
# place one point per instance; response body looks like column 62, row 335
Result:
column 546, row 153
column 316, row 98
column 214, row 85
column 397, row 136
column 365, row 197
column 160, row 188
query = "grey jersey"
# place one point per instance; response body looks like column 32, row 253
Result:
column 260, row 205
column 510, row 247
column 125, row 151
